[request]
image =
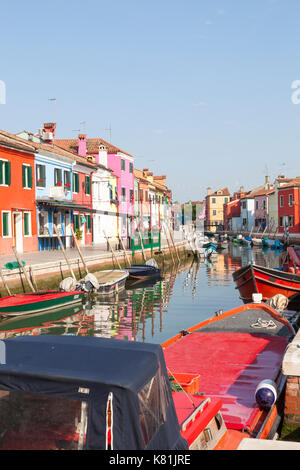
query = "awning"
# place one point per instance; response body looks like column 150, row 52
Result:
column 64, row 205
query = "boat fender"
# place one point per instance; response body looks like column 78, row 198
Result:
column 266, row 394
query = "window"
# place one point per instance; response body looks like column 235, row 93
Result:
column 131, row 167
column 40, row 175
column 291, row 202
column 214, row 212
column 244, row 205
column 123, row 194
column 264, row 204
column 281, row 201
column 27, row 176
column 281, row 221
column 5, row 172
column 154, row 401
column 256, row 204
column 33, row 420
column 76, row 222
column 245, row 222
column 131, row 196
column 57, row 177
column 213, row 201
column 226, row 200
column 291, row 221
column 67, row 180
column 6, row 224
column 122, row 164
column 87, row 185
column 88, row 224
column 75, row 183
column 27, row 224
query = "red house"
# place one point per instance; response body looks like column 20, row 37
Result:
column 18, row 224
column 231, row 209
column 288, row 206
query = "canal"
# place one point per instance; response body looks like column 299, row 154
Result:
column 185, row 296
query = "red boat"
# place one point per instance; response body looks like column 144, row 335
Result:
column 252, row 279
column 225, row 358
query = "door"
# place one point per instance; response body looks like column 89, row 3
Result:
column 17, row 231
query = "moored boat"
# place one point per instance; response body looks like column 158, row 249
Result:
column 149, row 270
column 232, row 355
column 33, row 302
column 284, row 280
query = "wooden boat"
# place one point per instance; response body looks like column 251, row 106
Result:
column 33, row 302
column 110, row 281
column 227, row 357
column 143, row 272
column 257, row 241
column 252, row 279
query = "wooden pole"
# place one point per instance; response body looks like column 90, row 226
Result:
column 4, row 282
column 125, row 253
column 64, row 253
column 23, row 269
column 111, row 249
column 143, row 251
column 79, row 250
column 169, row 245
column 172, row 239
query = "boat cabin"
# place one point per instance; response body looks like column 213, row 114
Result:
column 68, row 392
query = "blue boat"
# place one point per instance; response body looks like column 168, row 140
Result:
column 145, row 271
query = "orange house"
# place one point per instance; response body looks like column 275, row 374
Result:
column 18, row 225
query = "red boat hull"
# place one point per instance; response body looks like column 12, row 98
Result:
column 268, row 282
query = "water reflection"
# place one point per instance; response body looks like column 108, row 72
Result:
column 151, row 312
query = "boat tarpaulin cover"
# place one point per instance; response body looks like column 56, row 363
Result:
column 133, row 373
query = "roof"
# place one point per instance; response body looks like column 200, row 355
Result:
column 223, row 192
column 10, row 140
column 264, row 192
column 92, row 146
column 294, row 182
column 126, row 364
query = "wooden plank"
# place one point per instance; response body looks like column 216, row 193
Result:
column 63, row 251
column 172, row 239
column 169, row 245
column 79, row 250
column 143, row 251
column 23, row 269
column 125, row 253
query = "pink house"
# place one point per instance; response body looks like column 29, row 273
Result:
column 122, row 165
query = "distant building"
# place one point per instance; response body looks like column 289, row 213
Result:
column 214, row 208
column 288, row 206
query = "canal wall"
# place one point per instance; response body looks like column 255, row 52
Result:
column 48, row 275
column 291, row 369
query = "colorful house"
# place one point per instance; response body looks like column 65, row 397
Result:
column 18, row 224
column 273, row 200
column 214, row 208
column 288, row 206
column 261, row 208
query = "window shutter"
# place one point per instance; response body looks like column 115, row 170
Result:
column 26, row 224
column 8, row 173
column 29, row 169
column 5, row 224
column 24, row 175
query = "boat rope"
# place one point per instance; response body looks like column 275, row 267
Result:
column 180, row 386
column 268, row 324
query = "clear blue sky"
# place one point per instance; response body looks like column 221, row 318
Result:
column 198, row 90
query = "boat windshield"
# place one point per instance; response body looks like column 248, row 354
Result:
column 32, row 421
column 154, row 400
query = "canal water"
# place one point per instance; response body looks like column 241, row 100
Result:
column 185, row 296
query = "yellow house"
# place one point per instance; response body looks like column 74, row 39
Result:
column 214, row 208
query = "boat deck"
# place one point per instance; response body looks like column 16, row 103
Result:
column 230, row 366
column 110, row 276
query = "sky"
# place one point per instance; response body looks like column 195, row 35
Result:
column 199, row 90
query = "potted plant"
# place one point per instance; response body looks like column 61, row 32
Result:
column 78, row 235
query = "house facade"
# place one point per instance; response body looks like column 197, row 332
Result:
column 214, row 208
column 288, row 206
column 18, row 224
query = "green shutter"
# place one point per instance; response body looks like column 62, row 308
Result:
column 29, row 169
column 1, row 172
column 7, row 173
column 122, row 164
column 76, row 222
column 131, row 168
column 87, row 185
column 5, row 224
column 24, row 175
column 26, row 223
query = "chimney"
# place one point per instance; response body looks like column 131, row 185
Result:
column 242, row 189
column 208, row 191
column 145, row 171
column 82, row 145
column 49, row 132
column 267, row 182
column 102, row 155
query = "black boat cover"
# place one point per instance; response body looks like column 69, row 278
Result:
column 94, row 370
